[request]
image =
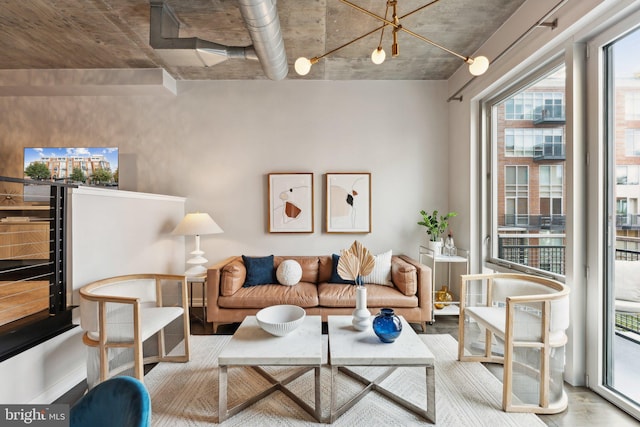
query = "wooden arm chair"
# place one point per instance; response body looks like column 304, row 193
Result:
column 123, row 312
column 517, row 320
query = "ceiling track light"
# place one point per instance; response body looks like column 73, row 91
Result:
column 477, row 65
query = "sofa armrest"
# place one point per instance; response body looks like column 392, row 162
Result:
column 425, row 287
column 214, row 275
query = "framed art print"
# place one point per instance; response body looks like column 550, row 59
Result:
column 291, row 202
column 348, row 202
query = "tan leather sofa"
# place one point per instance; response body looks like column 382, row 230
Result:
column 229, row 302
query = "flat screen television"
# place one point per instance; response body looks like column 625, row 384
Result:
column 83, row 166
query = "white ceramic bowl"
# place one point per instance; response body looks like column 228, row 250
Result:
column 279, row 320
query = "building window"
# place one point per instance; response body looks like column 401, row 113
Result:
column 531, row 142
column 627, row 175
column 534, row 105
column 551, row 187
column 632, row 105
column 632, row 142
column 517, row 195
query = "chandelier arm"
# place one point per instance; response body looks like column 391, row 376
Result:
column 371, row 14
column 400, row 27
column 431, row 42
column 351, row 42
column 419, row 9
column 386, row 13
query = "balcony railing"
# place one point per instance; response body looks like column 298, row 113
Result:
column 554, row 223
column 549, row 151
column 551, row 115
column 546, row 258
column 628, row 222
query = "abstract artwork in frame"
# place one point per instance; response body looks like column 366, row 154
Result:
column 291, row 202
column 348, row 202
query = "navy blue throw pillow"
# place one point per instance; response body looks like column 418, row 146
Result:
column 260, row 271
column 335, row 277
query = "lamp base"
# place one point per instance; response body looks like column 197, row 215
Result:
column 196, row 270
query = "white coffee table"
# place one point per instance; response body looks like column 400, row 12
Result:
column 349, row 347
column 253, row 347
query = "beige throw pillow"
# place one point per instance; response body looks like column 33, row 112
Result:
column 381, row 273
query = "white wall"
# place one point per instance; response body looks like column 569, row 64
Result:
column 215, row 142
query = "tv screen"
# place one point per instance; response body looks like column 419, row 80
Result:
column 83, row 166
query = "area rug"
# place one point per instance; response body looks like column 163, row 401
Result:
column 467, row 394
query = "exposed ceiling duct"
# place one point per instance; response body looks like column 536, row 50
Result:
column 263, row 24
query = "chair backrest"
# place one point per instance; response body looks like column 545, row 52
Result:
column 519, row 285
column 118, row 401
column 143, row 288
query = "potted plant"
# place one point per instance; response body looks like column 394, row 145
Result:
column 436, row 225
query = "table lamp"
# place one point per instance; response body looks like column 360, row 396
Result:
column 197, row 224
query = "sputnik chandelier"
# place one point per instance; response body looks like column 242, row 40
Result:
column 477, row 65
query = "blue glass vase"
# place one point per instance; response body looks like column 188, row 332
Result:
column 387, row 325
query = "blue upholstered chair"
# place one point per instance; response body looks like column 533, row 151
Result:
column 118, row 401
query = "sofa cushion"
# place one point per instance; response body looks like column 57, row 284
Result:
column 335, row 277
column 232, row 277
column 404, row 276
column 260, row 270
column 325, row 264
column 381, row 273
column 341, row 295
column 289, row 272
column 309, row 266
column 303, row 294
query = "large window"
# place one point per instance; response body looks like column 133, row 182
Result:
column 527, row 191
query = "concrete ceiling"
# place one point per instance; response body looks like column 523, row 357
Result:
column 114, row 34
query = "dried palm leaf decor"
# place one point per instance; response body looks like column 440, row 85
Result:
column 355, row 262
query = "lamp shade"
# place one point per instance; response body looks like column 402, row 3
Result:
column 197, row 224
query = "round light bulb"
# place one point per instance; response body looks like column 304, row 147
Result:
column 378, row 55
column 302, row 66
column 479, row 65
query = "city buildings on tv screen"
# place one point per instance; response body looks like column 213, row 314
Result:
column 91, row 166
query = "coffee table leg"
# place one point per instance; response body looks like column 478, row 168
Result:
column 222, row 393
column 430, row 373
column 334, row 394
column 318, row 408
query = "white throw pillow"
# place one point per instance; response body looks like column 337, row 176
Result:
column 289, row 272
column 381, row 273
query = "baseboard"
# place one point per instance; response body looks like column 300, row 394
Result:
column 61, row 387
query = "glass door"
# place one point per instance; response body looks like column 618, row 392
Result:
column 622, row 288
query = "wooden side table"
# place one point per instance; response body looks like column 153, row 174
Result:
column 202, row 280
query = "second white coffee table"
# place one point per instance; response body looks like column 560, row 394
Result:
column 349, row 347
column 251, row 346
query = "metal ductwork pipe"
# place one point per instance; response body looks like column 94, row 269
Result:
column 263, row 23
